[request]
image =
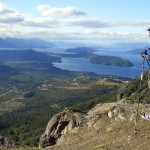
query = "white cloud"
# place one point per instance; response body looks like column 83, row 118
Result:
column 55, row 11
column 9, row 15
column 41, row 22
column 132, row 23
column 5, row 10
column 98, row 23
column 55, row 23
column 89, row 23
column 93, row 36
column 54, row 28
column 81, row 22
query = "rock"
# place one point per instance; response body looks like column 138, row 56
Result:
column 107, row 117
column 102, row 108
column 61, row 123
column 119, row 113
column 120, row 96
column 121, row 93
column 93, row 119
column 110, row 114
column 8, row 143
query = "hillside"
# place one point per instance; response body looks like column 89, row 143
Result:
column 132, row 89
column 106, row 126
column 138, row 50
column 111, row 61
column 30, row 97
column 25, row 55
column 33, row 96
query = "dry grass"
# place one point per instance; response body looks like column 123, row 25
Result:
column 20, row 148
column 108, row 134
column 102, row 146
column 102, row 82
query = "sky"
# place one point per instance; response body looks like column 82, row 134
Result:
column 79, row 21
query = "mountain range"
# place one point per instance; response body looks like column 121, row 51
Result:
column 138, row 50
column 26, row 55
column 7, row 42
column 129, row 46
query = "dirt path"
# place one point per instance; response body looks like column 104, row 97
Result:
column 6, row 93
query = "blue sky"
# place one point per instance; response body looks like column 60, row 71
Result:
column 86, row 21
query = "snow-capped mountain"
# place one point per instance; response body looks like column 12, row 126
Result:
column 8, row 42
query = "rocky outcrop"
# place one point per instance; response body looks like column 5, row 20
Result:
column 60, row 124
column 71, row 125
column 8, row 143
column 121, row 92
column 70, row 119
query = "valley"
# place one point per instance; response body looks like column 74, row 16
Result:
column 74, row 75
column 31, row 92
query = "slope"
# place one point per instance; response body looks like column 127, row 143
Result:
column 25, row 55
column 106, row 126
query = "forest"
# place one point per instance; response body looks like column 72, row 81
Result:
column 32, row 92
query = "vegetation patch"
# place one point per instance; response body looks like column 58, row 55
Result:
column 103, row 146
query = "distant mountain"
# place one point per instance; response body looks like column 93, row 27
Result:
column 80, row 49
column 24, row 43
column 7, row 71
column 129, row 46
column 26, row 55
column 138, row 51
column 70, row 44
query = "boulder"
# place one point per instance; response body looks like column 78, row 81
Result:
column 61, row 123
column 117, row 113
column 121, row 93
column 8, row 143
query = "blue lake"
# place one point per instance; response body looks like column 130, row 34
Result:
column 82, row 64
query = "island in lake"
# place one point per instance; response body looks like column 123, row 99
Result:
column 88, row 53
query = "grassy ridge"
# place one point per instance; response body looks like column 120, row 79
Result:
column 132, row 89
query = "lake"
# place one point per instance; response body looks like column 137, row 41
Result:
column 82, row 64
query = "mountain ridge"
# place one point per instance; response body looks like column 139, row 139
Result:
column 26, row 55
column 8, row 42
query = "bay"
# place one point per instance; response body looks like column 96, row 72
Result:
column 82, row 64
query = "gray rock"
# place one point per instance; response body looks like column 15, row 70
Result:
column 121, row 93
column 61, row 123
column 8, row 143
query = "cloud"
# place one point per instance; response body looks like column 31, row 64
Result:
column 55, row 23
column 89, row 23
column 54, row 28
column 12, row 16
column 9, row 15
column 46, row 10
column 93, row 23
column 5, row 10
column 99, row 23
column 41, row 22
column 93, row 36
